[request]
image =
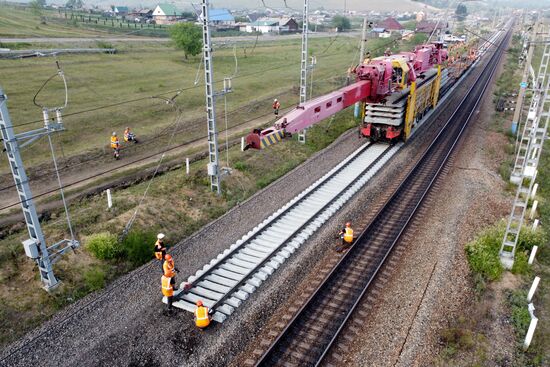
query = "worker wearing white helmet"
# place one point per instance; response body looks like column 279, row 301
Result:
column 276, row 106
column 160, row 250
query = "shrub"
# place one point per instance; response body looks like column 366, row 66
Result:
column 241, row 166
column 104, row 246
column 483, row 256
column 94, row 278
column 517, row 299
column 138, row 246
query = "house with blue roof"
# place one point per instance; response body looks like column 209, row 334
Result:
column 220, row 17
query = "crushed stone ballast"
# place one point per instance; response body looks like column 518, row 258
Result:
column 228, row 280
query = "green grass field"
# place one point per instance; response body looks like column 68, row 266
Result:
column 148, row 69
column 18, row 22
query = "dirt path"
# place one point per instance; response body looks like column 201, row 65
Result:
column 105, row 170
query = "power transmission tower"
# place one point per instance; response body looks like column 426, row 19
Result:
column 304, row 67
column 35, row 247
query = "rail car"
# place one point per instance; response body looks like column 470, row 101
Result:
column 396, row 93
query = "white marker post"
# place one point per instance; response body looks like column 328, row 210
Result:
column 532, row 327
column 534, row 192
column 533, row 209
column 535, row 224
column 532, row 256
column 533, row 289
column 187, row 166
column 242, row 144
column 109, row 199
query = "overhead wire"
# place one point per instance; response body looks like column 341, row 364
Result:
column 140, row 99
column 137, row 160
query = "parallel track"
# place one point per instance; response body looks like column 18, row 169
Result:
column 232, row 276
column 309, row 335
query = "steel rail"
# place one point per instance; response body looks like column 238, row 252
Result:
column 268, row 356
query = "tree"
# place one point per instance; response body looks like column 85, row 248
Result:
column 37, row 6
column 74, row 4
column 461, row 12
column 187, row 37
column 341, row 22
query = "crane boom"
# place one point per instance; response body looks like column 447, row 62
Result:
column 309, row 114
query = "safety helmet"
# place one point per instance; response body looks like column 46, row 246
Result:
column 127, row 127
column 114, row 133
column 199, row 303
column 160, row 236
column 168, row 257
column 275, row 100
column 348, row 224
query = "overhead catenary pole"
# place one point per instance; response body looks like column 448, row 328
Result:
column 525, row 78
column 357, row 106
column 213, row 165
column 304, row 67
column 35, row 247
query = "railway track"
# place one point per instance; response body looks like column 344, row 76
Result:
column 233, row 275
column 309, row 335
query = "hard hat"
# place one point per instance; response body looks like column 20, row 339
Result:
column 199, row 303
column 128, row 127
column 167, row 257
column 160, row 236
column 275, row 100
column 348, row 224
column 114, row 133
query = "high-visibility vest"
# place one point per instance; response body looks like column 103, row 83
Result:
column 201, row 317
column 169, row 269
column 167, row 288
column 276, row 105
column 114, row 142
column 126, row 134
column 158, row 254
column 348, row 235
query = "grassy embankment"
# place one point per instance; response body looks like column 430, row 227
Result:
column 466, row 341
column 176, row 203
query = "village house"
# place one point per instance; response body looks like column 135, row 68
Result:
column 220, row 17
column 166, row 14
column 118, row 11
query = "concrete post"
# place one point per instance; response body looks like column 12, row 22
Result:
column 533, row 289
column 187, row 166
column 533, row 209
column 109, row 199
column 532, row 256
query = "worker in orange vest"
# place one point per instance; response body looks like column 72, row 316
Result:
column 168, row 291
column 160, row 250
column 276, row 106
column 115, row 145
column 202, row 317
column 346, row 234
column 169, row 269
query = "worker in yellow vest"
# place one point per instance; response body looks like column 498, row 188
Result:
column 202, row 317
column 168, row 290
column 115, row 145
column 160, row 250
column 129, row 136
column 346, row 234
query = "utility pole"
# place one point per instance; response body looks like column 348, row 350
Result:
column 35, row 247
column 213, row 164
column 304, row 67
column 524, row 83
column 357, row 106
